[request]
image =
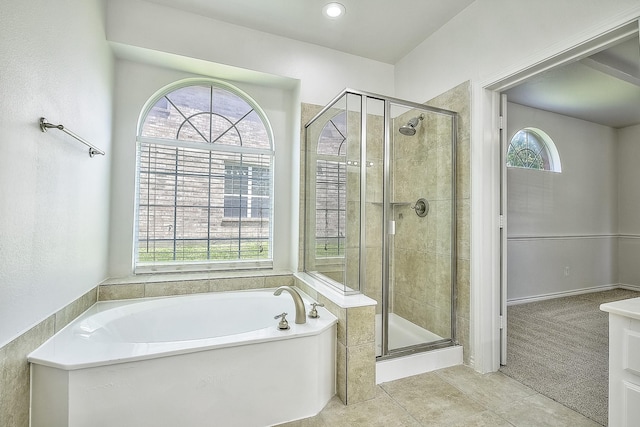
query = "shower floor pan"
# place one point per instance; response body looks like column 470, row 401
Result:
column 402, row 333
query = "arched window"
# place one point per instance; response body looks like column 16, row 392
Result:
column 204, row 180
column 532, row 148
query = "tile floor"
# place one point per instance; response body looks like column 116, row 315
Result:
column 452, row 397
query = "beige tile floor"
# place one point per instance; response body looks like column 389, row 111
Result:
column 452, row 397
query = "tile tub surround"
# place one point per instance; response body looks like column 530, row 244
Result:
column 14, row 368
column 356, row 357
column 166, row 285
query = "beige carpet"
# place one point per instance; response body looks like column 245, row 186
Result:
column 560, row 348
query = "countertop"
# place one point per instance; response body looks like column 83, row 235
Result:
column 628, row 308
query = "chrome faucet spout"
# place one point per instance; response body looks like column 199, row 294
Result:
column 301, row 314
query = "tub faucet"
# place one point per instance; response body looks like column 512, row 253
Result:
column 301, row 314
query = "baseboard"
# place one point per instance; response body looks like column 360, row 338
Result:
column 629, row 287
column 574, row 292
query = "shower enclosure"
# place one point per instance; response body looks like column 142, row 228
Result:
column 380, row 214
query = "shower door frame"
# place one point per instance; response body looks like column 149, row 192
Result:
column 387, row 214
column 387, row 218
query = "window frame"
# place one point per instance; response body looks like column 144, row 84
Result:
column 205, row 265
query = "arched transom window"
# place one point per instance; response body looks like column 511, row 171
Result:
column 204, row 178
column 532, row 148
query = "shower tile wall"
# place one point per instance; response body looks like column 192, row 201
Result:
column 421, row 264
column 459, row 99
column 421, row 257
column 373, row 206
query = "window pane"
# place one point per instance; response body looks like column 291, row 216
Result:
column 236, row 179
column 224, row 132
column 529, row 150
column 253, row 132
column 235, row 206
column 230, row 105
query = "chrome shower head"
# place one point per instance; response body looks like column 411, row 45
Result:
column 410, row 128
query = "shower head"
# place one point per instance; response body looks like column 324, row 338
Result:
column 410, row 128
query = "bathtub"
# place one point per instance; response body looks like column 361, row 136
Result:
column 213, row 359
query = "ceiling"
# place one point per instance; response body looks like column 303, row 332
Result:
column 382, row 30
column 604, row 88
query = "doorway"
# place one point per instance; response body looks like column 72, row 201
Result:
column 493, row 93
column 570, row 232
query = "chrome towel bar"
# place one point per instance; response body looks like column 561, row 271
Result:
column 93, row 150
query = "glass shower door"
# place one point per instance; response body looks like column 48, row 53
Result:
column 421, row 215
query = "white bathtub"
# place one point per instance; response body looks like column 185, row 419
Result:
column 199, row 360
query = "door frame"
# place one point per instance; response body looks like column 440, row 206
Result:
column 487, row 244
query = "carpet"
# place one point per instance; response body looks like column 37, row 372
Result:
column 560, row 348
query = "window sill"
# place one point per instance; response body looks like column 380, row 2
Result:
column 202, row 266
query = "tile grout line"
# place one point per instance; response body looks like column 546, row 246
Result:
column 400, row 405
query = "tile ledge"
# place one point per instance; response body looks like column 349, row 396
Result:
column 342, row 301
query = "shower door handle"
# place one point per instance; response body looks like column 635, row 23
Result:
column 392, row 228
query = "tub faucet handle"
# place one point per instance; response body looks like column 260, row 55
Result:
column 314, row 312
column 283, row 325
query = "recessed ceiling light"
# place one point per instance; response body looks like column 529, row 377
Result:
column 333, row 10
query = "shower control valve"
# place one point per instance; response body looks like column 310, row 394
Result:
column 314, row 312
column 283, row 325
column 421, row 207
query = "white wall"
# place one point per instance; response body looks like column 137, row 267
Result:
column 323, row 72
column 136, row 83
column 560, row 221
column 492, row 37
column 54, row 198
column 629, row 205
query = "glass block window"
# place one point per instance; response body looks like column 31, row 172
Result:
column 532, row 148
column 204, row 181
